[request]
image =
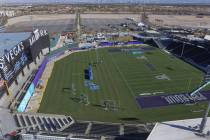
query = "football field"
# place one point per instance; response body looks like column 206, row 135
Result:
column 121, row 74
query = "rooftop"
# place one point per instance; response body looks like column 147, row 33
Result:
column 9, row 40
column 179, row 130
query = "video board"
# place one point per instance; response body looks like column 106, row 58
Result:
column 38, row 41
column 14, row 60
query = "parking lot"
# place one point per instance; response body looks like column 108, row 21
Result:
column 66, row 22
column 50, row 25
column 106, row 25
column 181, row 20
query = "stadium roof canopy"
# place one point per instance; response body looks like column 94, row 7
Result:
column 179, row 130
column 9, row 40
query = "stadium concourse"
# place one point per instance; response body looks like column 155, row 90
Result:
column 64, row 127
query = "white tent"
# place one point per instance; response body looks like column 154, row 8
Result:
column 141, row 24
column 207, row 37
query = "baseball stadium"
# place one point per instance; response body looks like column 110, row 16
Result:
column 98, row 77
column 120, row 76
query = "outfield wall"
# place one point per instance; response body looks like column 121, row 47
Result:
column 31, row 90
column 39, row 73
column 24, row 102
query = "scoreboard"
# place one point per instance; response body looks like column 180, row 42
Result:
column 38, row 41
column 14, row 60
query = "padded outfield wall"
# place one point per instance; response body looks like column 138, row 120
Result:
column 31, row 89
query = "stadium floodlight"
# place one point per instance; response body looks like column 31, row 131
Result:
column 32, row 24
column 204, row 120
column 183, row 47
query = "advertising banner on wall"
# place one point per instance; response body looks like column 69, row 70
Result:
column 13, row 61
column 38, row 41
column 26, row 98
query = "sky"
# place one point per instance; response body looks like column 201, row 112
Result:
column 106, row 1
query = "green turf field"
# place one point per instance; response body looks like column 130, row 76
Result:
column 121, row 77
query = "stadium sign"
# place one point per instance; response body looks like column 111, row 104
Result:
column 7, row 13
column 172, row 99
column 37, row 35
column 14, row 60
column 10, row 55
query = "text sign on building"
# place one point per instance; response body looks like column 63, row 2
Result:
column 12, row 61
column 36, row 35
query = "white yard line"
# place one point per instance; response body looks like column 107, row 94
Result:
column 123, row 77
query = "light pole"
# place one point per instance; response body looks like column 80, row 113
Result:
column 1, row 129
column 204, row 120
column 183, row 47
column 194, row 93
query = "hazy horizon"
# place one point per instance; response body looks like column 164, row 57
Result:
column 107, row 1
